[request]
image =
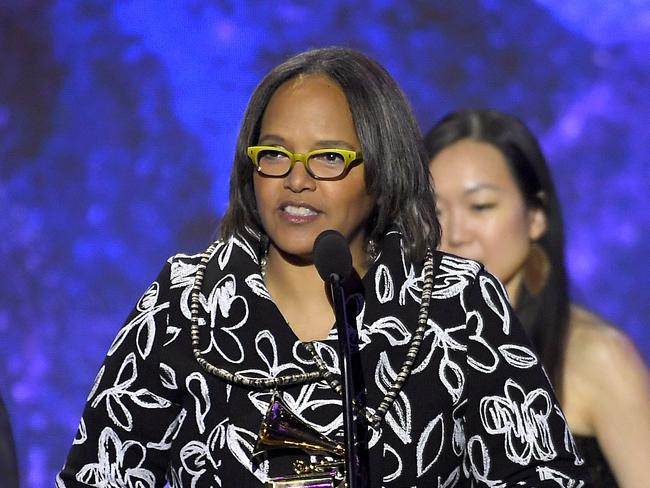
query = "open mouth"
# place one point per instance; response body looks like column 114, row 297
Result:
column 299, row 210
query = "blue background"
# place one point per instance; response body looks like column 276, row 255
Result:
column 118, row 122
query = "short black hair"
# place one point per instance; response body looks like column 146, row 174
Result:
column 395, row 161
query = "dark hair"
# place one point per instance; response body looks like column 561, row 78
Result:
column 395, row 161
column 544, row 315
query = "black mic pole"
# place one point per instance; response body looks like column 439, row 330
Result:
column 345, row 351
column 333, row 261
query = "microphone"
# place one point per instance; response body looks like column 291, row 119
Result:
column 333, row 261
column 332, row 256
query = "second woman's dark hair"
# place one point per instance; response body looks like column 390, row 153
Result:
column 395, row 162
column 544, row 315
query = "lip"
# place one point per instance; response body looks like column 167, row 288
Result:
column 298, row 219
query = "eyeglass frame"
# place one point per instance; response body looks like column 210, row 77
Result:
column 348, row 155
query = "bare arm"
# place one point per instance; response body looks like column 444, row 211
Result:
column 620, row 406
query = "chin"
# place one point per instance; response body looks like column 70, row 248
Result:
column 299, row 249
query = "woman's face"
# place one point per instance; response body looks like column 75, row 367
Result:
column 482, row 211
column 307, row 113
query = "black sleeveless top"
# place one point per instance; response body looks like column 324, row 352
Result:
column 601, row 474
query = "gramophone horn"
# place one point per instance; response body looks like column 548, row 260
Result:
column 282, row 429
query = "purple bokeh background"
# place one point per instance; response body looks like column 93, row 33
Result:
column 118, row 122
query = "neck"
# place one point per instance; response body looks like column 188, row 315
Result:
column 513, row 287
column 288, row 276
column 300, row 294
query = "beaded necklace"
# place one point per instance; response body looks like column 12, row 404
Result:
column 375, row 418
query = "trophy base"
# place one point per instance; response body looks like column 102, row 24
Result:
column 304, row 481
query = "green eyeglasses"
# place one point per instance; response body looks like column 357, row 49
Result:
column 321, row 164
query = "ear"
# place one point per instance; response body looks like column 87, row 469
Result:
column 537, row 222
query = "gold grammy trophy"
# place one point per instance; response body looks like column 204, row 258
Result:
column 282, row 429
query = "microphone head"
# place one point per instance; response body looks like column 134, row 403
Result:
column 332, row 255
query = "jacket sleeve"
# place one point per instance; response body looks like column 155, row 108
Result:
column 515, row 433
column 131, row 415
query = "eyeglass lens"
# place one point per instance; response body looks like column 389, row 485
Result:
column 328, row 164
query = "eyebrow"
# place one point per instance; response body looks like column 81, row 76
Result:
column 335, row 143
column 482, row 186
column 323, row 144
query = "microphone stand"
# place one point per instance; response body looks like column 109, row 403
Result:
column 351, row 457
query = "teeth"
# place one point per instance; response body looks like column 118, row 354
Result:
column 298, row 211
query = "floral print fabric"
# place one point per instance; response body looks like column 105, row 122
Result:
column 476, row 411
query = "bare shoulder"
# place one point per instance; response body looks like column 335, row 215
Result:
column 600, row 352
column 609, row 394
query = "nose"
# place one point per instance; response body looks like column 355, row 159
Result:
column 298, row 179
column 455, row 230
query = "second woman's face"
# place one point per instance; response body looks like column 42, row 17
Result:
column 307, row 113
column 482, row 211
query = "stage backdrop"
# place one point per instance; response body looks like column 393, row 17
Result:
column 118, row 121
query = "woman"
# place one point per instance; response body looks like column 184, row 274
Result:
column 447, row 387
column 497, row 204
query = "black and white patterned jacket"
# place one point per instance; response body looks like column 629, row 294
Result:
column 476, row 411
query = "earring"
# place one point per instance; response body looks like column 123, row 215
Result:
column 263, row 253
column 372, row 250
column 536, row 269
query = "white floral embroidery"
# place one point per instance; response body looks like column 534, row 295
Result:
column 523, row 419
column 412, row 284
column 395, row 474
column 201, row 397
column 82, row 434
column 569, row 441
column 390, row 327
column 98, row 380
column 219, row 305
column 197, row 460
column 399, row 416
column 431, row 441
column 384, row 287
column 451, row 481
column 116, row 409
column 145, row 322
column 450, row 373
column 301, row 405
column 490, row 289
column 458, row 436
column 518, row 356
column 480, row 463
column 241, row 442
column 182, row 276
column 453, row 277
column 257, row 286
column 170, row 434
column 168, row 377
column 111, row 471
column 489, row 365
column 562, row 480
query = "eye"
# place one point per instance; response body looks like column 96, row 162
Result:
column 330, row 158
column 482, row 207
column 270, row 155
